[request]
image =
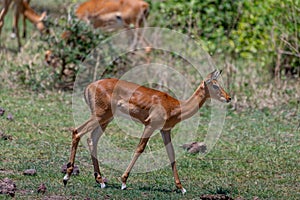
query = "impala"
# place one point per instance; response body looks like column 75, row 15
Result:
column 21, row 7
column 113, row 14
column 110, row 15
column 156, row 110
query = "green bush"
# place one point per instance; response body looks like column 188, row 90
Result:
column 266, row 32
column 70, row 41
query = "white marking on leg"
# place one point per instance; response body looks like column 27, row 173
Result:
column 102, row 185
column 183, row 191
column 66, row 177
column 13, row 35
column 123, row 187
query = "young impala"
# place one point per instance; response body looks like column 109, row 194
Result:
column 156, row 110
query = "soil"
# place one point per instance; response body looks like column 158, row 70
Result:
column 7, row 186
column 75, row 170
column 215, row 197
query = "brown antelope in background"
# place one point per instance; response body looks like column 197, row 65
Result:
column 113, row 14
column 110, row 15
column 156, row 110
column 21, row 8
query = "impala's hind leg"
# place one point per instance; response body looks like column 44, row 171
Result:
column 92, row 143
column 89, row 125
column 138, row 151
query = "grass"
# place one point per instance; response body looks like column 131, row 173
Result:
column 257, row 155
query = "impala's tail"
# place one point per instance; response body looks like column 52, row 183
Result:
column 87, row 97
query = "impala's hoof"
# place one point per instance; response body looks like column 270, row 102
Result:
column 102, row 185
column 65, row 182
column 123, row 187
column 183, row 191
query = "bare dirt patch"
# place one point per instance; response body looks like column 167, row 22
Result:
column 215, row 197
column 7, row 186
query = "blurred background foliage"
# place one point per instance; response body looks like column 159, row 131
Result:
column 246, row 29
column 255, row 42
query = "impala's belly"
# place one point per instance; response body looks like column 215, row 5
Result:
column 130, row 111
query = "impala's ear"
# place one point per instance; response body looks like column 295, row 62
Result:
column 216, row 74
column 209, row 77
column 207, row 81
column 213, row 76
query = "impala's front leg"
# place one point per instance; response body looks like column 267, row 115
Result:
column 139, row 150
column 166, row 135
column 92, row 143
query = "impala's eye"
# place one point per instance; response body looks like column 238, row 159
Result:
column 215, row 87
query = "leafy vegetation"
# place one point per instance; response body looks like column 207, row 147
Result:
column 239, row 29
column 69, row 42
column 257, row 154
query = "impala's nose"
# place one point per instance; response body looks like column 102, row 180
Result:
column 229, row 99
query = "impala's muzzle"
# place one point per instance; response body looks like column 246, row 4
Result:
column 226, row 99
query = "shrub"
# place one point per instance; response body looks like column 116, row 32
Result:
column 266, row 32
column 69, row 42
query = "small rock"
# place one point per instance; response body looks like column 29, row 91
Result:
column 7, row 186
column 187, row 146
column 3, row 136
column 195, row 147
column 215, row 197
column 148, row 49
column 105, row 180
column 30, row 172
column 42, row 188
column 75, row 170
column 2, row 111
column 10, row 117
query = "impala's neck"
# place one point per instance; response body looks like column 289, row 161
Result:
column 192, row 105
column 32, row 15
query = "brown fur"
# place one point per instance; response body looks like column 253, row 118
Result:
column 113, row 14
column 153, row 108
column 22, row 8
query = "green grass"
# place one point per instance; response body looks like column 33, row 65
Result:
column 257, row 155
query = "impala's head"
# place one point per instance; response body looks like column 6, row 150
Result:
column 41, row 24
column 215, row 91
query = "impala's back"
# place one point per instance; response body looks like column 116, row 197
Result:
column 113, row 14
column 120, row 97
